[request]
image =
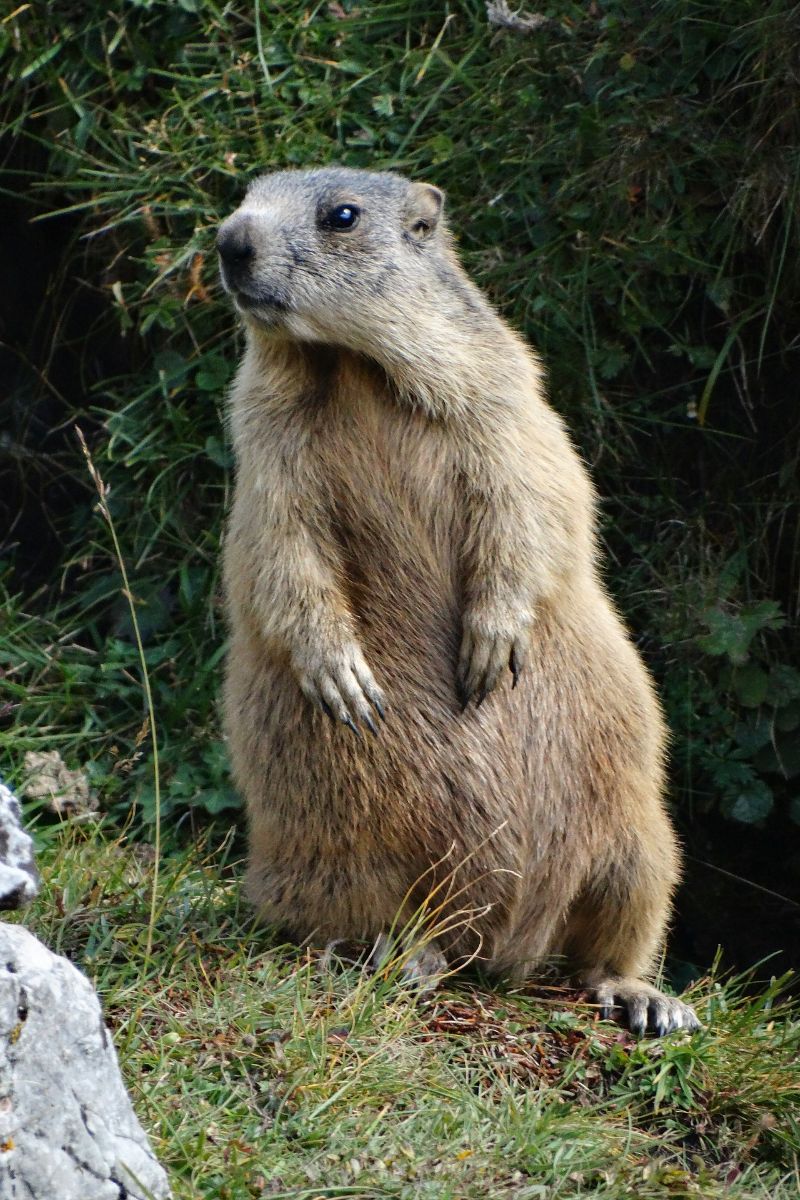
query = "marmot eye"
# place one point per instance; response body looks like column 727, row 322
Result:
column 344, row 216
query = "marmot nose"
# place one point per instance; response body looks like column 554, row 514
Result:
column 234, row 244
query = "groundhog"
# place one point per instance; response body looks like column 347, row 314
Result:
column 446, row 740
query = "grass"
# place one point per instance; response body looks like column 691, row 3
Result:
column 261, row 1071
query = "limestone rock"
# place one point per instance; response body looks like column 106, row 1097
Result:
column 49, row 778
column 67, row 1127
column 503, row 17
column 19, row 882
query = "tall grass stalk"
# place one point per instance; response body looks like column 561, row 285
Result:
column 102, row 492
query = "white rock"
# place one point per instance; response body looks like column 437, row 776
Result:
column 67, row 1128
column 19, row 882
column 49, row 778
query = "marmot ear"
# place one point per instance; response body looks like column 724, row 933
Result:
column 423, row 210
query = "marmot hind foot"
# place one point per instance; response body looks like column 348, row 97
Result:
column 643, row 1008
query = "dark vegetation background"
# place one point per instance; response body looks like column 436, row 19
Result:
column 624, row 183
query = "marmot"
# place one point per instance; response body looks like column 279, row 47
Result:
column 413, row 537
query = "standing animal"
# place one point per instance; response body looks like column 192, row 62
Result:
column 413, row 536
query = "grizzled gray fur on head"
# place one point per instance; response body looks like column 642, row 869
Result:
column 320, row 253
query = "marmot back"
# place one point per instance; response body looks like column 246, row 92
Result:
column 431, row 705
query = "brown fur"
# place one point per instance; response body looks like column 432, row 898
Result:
column 409, row 518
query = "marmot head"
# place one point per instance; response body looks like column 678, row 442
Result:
column 334, row 255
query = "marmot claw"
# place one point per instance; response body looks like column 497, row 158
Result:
column 342, row 685
column 645, row 1009
column 483, row 659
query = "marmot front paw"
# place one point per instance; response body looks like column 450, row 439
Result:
column 488, row 648
column 341, row 684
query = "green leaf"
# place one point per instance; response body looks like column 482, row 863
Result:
column 610, row 360
column 752, row 735
column 171, row 366
column 217, row 800
column 765, row 614
column 784, row 685
column 750, row 684
column 183, row 783
column 720, row 292
column 219, row 453
column 213, row 375
column 384, row 105
column 440, row 147
column 732, row 573
column 351, row 67
column 751, row 805
column 722, row 632
column 731, row 775
column 731, row 633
